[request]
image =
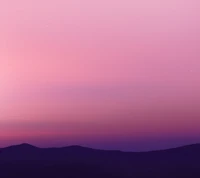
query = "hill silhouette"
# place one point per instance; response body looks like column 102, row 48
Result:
column 75, row 161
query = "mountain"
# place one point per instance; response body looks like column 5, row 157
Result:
column 75, row 161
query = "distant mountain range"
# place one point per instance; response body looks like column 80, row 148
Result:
column 27, row 161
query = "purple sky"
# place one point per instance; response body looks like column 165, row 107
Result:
column 121, row 74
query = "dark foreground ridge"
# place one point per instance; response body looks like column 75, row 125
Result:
column 27, row 161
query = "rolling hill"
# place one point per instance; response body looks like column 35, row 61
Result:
column 75, row 161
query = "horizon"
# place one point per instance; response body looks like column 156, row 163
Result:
column 80, row 146
column 104, row 74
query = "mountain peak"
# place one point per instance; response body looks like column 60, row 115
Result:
column 23, row 145
column 26, row 144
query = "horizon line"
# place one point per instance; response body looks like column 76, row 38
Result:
column 80, row 146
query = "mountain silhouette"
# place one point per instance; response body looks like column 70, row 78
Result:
column 26, row 160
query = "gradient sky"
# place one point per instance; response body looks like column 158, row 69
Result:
column 112, row 74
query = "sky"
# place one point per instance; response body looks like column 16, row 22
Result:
column 109, row 74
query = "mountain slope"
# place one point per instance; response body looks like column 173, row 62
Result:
column 75, row 161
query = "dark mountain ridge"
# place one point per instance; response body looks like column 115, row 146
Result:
column 75, row 161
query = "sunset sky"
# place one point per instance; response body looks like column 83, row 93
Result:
column 110, row 74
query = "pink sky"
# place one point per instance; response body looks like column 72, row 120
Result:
column 119, row 74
